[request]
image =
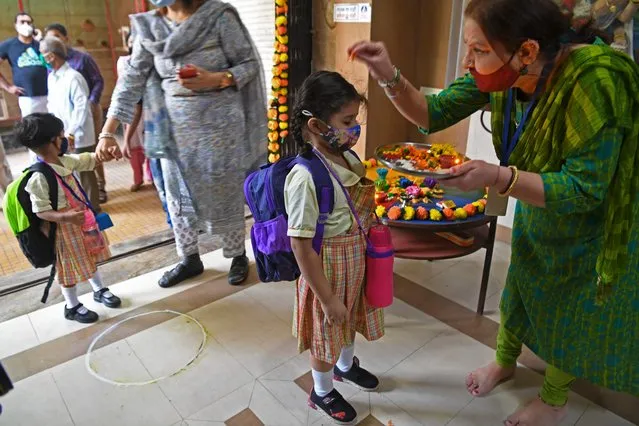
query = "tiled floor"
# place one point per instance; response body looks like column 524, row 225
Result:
column 134, row 214
column 249, row 372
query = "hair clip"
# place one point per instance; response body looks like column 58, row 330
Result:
column 307, row 113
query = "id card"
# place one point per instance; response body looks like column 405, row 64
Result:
column 496, row 205
column 104, row 221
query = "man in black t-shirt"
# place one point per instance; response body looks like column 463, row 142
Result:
column 28, row 69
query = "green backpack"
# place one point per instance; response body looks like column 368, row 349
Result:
column 38, row 247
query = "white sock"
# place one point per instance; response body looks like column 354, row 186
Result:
column 96, row 284
column 322, row 383
column 71, row 297
column 345, row 361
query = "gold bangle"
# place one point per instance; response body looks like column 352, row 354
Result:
column 513, row 182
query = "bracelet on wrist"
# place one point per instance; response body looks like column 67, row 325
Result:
column 389, row 84
column 513, row 181
column 106, row 135
column 395, row 92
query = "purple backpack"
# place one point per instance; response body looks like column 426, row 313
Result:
column 264, row 192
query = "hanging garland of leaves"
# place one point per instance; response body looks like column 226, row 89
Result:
column 278, row 105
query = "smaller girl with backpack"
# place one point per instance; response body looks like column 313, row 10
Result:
column 330, row 306
column 79, row 245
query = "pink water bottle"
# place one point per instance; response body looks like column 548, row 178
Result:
column 380, row 257
column 93, row 241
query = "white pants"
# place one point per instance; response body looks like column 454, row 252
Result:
column 29, row 106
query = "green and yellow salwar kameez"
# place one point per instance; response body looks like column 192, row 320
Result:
column 572, row 292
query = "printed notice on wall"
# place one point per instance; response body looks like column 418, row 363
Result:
column 352, row 12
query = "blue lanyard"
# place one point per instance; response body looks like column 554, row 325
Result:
column 508, row 144
column 86, row 201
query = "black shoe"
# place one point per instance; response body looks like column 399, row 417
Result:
column 334, row 406
column 102, row 196
column 72, row 315
column 357, row 377
column 191, row 267
column 239, row 270
column 112, row 301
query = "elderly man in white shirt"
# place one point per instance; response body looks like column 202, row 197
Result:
column 69, row 101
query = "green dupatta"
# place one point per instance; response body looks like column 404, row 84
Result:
column 555, row 130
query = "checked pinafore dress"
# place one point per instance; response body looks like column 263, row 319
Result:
column 344, row 260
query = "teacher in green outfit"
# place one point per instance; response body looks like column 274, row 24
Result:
column 565, row 111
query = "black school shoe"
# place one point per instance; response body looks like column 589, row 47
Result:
column 190, row 267
column 110, row 302
column 334, row 406
column 239, row 270
column 357, row 377
column 73, row 315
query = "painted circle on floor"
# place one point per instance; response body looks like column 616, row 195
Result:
column 91, row 370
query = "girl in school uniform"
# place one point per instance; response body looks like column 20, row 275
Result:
column 76, row 258
column 330, row 306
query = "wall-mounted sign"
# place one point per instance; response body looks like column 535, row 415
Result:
column 352, row 12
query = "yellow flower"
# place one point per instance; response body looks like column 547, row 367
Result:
column 435, row 215
column 380, row 211
column 409, row 213
column 461, row 214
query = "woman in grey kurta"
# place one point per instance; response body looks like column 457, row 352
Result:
column 218, row 121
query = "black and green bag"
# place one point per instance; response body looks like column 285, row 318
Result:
column 38, row 247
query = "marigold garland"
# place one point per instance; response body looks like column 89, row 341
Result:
column 278, row 105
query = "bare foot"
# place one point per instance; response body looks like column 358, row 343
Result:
column 537, row 413
column 483, row 380
column 136, row 187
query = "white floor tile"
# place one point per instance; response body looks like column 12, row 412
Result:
column 16, row 335
column 256, row 337
column 429, row 385
column 407, row 330
column 35, row 401
column 49, row 323
column 212, row 376
column 269, row 410
column 198, row 423
column 278, row 298
column 386, row 411
column 291, row 396
column 92, row 402
column 291, row 369
column 226, row 407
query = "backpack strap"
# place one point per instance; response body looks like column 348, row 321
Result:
column 354, row 154
column 49, row 174
column 325, row 194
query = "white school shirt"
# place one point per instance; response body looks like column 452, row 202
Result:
column 301, row 204
column 68, row 100
column 38, row 187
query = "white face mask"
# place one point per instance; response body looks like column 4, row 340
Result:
column 25, row 30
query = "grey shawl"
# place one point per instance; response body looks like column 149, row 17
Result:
column 234, row 148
